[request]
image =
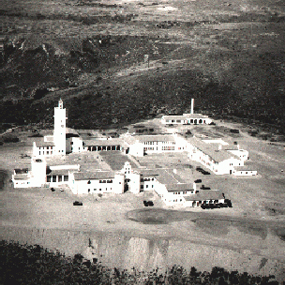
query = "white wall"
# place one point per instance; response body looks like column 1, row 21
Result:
column 81, row 186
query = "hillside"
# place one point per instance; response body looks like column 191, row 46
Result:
column 229, row 56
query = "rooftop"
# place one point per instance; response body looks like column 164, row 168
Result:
column 167, row 176
column 212, row 150
column 179, row 187
column 155, row 138
column 21, row 176
column 116, row 160
column 59, row 172
column 94, row 175
column 109, row 142
column 184, row 117
column 45, row 144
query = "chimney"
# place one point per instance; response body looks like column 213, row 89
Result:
column 192, row 106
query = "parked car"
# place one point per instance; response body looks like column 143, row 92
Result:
column 203, row 187
column 229, row 203
column 150, row 203
column 52, row 189
column 145, row 203
column 198, row 181
column 77, row 203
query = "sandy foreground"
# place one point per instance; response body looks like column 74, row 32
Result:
column 118, row 231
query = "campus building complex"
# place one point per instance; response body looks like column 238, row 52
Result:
column 122, row 171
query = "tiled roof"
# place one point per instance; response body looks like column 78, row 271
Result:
column 109, row 142
column 166, row 176
column 245, row 168
column 94, row 175
column 205, row 195
column 59, row 172
column 155, row 138
column 116, row 160
column 45, row 144
column 173, row 117
column 185, row 117
column 212, row 150
column 179, row 187
column 147, row 172
column 21, row 177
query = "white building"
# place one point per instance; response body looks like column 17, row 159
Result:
column 213, row 156
column 36, row 177
column 148, row 144
column 59, row 134
column 186, row 119
column 97, row 182
column 56, row 144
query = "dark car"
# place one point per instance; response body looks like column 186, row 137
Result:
column 203, row 187
column 77, row 203
column 229, row 203
column 206, row 173
column 145, row 203
column 198, row 181
column 52, row 189
column 150, row 203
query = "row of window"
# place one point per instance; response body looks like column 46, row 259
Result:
column 149, row 148
column 60, row 178
column 45, row 147
column 168, row 148
column 47, row 152
column 100, row 189
column 150, row 143
column 147, row 179
column 182, row 192
column 146, row 186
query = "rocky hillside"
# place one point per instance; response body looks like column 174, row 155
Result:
column 230, row 59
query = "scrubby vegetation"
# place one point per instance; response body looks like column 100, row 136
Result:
column 24, row 264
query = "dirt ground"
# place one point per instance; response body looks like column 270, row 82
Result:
column 119, row 231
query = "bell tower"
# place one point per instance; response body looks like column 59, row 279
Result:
column 59, row 132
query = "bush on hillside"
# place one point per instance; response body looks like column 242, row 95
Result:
column 24, row 264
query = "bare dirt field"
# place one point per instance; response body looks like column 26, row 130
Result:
column 120, row 232
column 228, row 55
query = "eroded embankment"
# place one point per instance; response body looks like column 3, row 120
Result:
column 124, row 251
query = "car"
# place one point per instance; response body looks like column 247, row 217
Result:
column 150, row 203
column 198, row 181
column 203, row 187
column 145, row 203
column 229, row 203
column 52, row 189
column 77, row 203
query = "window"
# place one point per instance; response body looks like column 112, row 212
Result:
column 48, row 178
column 146, row 186
column 141, row 187
column 59, row 178
column 54, row 178
column 65, row 177
column 47, row 152
column 39, row 152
